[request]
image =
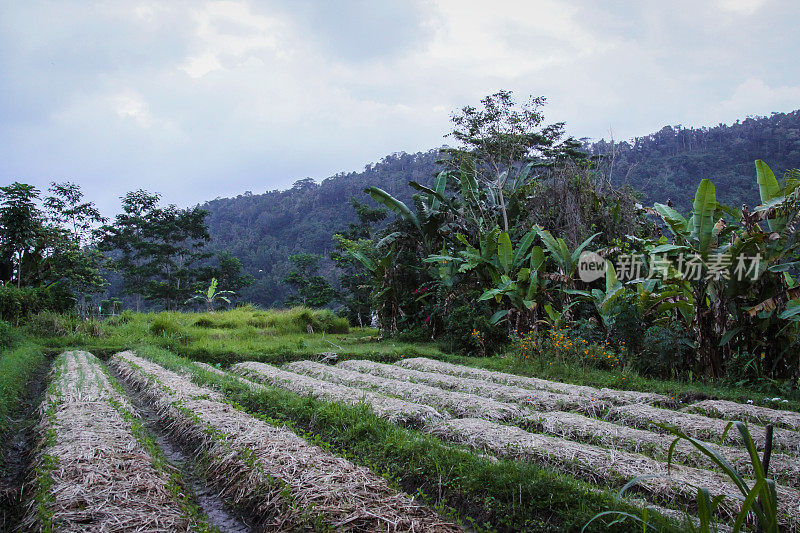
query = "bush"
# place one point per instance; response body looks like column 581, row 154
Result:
column 165, row 326
column 665, row 352
column 467, row 331
column 18, row 304
column 7, row 336
column 47, row 324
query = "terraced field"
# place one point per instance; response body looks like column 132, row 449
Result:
column 100, row 469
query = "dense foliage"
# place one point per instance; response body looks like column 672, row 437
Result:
column 716, row 289
column 669, row 163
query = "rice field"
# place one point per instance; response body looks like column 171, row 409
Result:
column 99, row 469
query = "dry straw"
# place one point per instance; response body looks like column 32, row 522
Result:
column 610, row 395
column 103, row 479
column 751, row 413
column 392, row 409
column 699, row 426
column 605, row 466
column 457, row 403
column 573, row 426
column 539, row 399
column 285, row 481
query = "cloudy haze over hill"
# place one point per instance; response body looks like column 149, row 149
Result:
column 204, row 99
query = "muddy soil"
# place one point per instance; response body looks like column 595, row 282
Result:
column 219, row 514
column 17, row 448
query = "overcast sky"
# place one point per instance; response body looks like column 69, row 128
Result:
column 203, row 99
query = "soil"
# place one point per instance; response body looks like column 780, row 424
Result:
column 17, row 448
column 216, row 510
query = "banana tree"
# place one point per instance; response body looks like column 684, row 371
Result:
column 428, row 218
column 735, row 313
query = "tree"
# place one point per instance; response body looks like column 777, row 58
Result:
column 229, row 272
column 65, row 207
column 313, row 290
column 20, row 220
column 502, row 138
column 158, row 250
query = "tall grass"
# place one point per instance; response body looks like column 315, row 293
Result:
column 17, row 366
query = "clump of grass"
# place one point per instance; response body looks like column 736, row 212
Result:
column 47, row 324
column 165, row 326
column 299, row 320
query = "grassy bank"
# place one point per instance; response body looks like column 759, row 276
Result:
column 226, row 337
column 17, row 367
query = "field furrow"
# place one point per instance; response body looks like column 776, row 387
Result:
column 285, row 481
column 93, row 473
column 538, row 399
column 572, row 426
column 402, row 412
column 456, row 403
column 751, row 413
column 619, row 397
column 605, row 466
column 700, row 427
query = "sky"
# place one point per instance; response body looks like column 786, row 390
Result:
column 197, row 100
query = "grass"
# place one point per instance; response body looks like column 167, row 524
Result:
column 227, row 337
column 505, row 495
column 17, row 366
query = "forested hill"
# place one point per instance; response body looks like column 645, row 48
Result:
column 264, row 229
column 671, row 162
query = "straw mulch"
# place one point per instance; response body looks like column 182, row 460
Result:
column 102, row 479
column 457, row 403
column 539, row 399
column 573, row 426
column 750, row 413
column 605, row 466
column 392, row 409
column 285, row 481
column 618, row 397
column 699, row 426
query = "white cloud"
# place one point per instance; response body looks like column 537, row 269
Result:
column 742, row 7
column 754, row 97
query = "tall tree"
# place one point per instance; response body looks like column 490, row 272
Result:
column 502, row 137
column 20, row 220
column 159, row 251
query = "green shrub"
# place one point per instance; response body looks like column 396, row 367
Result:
column 664, row 352
column 18, row 304
column 47, row 324
column 467, row 331
column 165, row 326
